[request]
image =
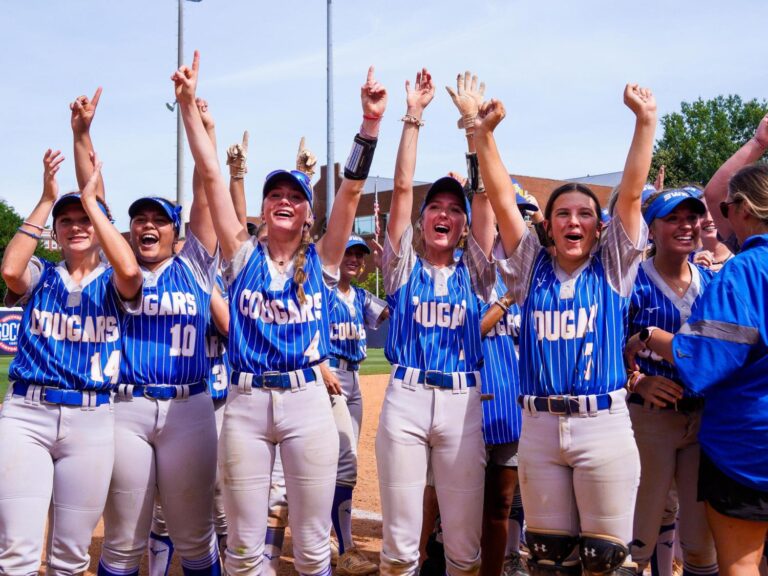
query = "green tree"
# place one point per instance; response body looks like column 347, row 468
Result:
column 703, row 135
column 369, row 283
column 9, row 222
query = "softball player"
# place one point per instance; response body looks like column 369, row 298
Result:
column 431, row 413
column 665, row 418
column 56, row 422
column 579, row 466
column 279, row 333
column 164, row 421
column 352, row 311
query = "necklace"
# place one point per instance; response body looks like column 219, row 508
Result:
column 671, row 282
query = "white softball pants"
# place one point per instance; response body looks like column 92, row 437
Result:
column 52, row 456
column 348, row 415
column 302, row 424
column 441, row 428
column 669, row 450
column 168, row 446
column 580, row 473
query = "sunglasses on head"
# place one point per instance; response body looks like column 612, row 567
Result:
column 725, row 207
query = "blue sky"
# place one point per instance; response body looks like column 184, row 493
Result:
column 559, row 66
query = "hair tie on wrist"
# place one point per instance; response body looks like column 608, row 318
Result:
column 28, row 233
column 371, row 117
column 28, row 223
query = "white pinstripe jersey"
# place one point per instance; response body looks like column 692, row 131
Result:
column 350, row 315
column 502, row 418
column 216, row 352
column 165, row 342
column 654, row 303
column 573, row 326
column 72, row 332
column 435, row 312
column 269, row 329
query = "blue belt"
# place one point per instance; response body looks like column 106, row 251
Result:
column 161, row 391
column 435, row 378
column 343, row 364
column 280, row 380
column 50, row 395
column 566, row 405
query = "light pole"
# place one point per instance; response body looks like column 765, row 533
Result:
column 330, row 173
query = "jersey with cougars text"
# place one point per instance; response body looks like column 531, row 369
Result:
column 351, row 314
column 216, row 351
column 71, row 336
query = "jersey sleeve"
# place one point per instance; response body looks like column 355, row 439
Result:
column 132, row 307
column 481, row 270
column 331, row 277
column 397, row 267
column 231, row 268
column 723, row 331
column 204, row 266
column 36, row 267
column 516, row 268
column 621, row 256
column 373, row 307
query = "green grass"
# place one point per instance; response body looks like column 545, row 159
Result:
column 375, row 363
column 4, row 362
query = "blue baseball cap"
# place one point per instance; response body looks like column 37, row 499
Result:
column 74, row 198
column 605, row 217
column 355, row 240
column 294, row 176
column 665, row 202
column 648, row 191
column 452, row 186
column 166, row 207
column 522, row 203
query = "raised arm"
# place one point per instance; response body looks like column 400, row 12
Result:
column 200, row 222
column 237, row 160
column 332, row 245
column 231, row 233
column 127, row 273
column 83, row 110
column 717, row 187
column 220, row 311
column 417, row 99
column 498, row 185
column 468, row 97
column 27, row 238
column 643, row 104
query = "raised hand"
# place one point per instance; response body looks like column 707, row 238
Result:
column 51, row 163
column 761, row 134
column 640, row 100
column 489, row 115
column 468, row 97
column 83, row 111
column 419, row 97
column 458, row 177
column 237, row 158
column 659, row 182
column 373, row 96
column 305, row 160
column 205, row 116
column 185, row 80
column 377, row 251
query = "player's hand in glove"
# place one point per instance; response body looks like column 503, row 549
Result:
column 468, row 97
column 305, row 160
column 237, row 158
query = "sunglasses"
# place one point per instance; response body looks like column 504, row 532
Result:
column 725, row 206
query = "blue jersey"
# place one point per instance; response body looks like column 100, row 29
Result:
column 654, row 303
column 270, row 330
column 722, row 353
column 501, row 415
column 351, row 314
column 435, row 312
column 573, row 326
column 73, row 332
column 165, row 342
column 216, row 352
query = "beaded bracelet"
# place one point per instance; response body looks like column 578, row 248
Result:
column 410, row 119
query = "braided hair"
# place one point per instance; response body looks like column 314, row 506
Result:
column 300, row 274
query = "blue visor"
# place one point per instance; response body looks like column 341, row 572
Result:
column 166, row 206
column 295, row 176
column 74, row 198
column 355, row 240
column 665, row 202
column 648, row 191
column 452, row 186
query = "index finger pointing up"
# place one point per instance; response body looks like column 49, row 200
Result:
column 196, row 61
column 96, row 96
column 370, row 79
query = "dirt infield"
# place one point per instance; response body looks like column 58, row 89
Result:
column 366, row 525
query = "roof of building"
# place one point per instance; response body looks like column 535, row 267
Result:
column 608, row 179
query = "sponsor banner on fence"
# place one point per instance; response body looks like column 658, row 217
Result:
column 10, row 321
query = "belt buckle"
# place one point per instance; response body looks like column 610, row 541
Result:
column 271, row 380
column 430, row 373
column 44, row 395
column 563, row 399
column 146, row 391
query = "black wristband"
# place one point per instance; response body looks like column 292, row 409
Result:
column 473, row 171
column 360, row 158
